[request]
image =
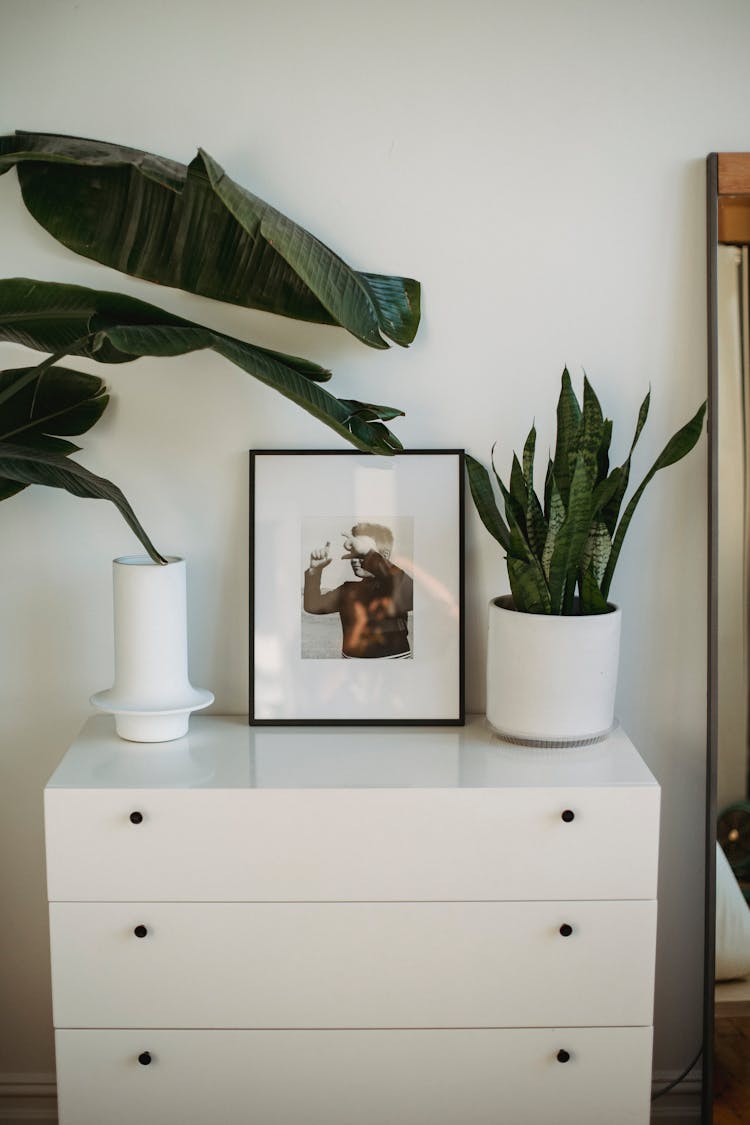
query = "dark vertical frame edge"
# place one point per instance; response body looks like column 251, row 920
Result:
column 460, row 719
column 709, row 941
column 251, row 592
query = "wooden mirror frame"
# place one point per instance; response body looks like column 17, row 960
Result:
column 728, row 222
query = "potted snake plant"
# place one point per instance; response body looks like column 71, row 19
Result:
column 553, row 644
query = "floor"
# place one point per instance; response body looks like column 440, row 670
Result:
column 732, row 1071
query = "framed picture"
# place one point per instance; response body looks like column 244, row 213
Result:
column 356, row 587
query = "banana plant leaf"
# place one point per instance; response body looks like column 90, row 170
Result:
column 38, row 404
column 114, row 328
column 194, row 228
column 27, row 465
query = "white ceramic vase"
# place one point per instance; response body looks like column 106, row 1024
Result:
column 551, row 681
column 152, row 697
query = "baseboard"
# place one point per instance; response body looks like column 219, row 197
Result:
column 28, row 1097
column 681, row 1106
column 33, row 1097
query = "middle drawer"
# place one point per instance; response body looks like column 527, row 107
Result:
column 352, row 964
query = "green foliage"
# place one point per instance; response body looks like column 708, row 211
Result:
column 192, row 228
column 37, row 406
column 113, row 328
column 561, row 554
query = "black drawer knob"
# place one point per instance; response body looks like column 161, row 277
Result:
column 566, row 930
column 145, row 1058
column 136, row 817
column 563, row 1056
column 140, row 931
column 568, row 815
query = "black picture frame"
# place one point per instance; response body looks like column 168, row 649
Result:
column 304, row 506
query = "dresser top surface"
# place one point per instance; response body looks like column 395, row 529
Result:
column 223, row 752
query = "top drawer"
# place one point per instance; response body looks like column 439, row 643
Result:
column 352, row 845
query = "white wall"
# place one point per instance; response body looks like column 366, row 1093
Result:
column 540, row 167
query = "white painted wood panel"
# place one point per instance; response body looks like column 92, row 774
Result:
column 382, row 844
column 306, row 965
column 445, row 1077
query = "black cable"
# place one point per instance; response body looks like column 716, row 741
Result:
column 680, row 1078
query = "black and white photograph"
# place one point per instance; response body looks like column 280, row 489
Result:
column 358, row 590
column 356, row 587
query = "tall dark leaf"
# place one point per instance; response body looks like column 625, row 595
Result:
column 113, row 328
column 592, row 599
column 528, row 584
column 611, row 511
column 675, row 449
column 568, row 426
column 39, row 404
column 573, row 535
column 194, row 228
column 484, row 499
column 39, row 466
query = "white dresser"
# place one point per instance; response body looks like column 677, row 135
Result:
column 351, row 926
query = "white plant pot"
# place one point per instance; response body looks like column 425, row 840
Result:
column 551, row 681
column 152, row 697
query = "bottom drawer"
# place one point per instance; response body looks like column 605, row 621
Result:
column 388, row 1077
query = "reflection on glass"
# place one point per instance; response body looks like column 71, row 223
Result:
column 732, row 935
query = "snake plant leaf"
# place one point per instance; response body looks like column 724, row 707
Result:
column 515, row 513
column 603, row 454
column 611, row 511
column 194, row 228
column 569, row 542
column 529, row 450
column 572, row 536
column 536, row 523
column 592, row 599
column 480, row 486
column 604, row 491
column 549, row 477
column 528, row 584
column 519, row 491
column 114, row 328
column 30, row 465
column 596, row 551
column 54, row 401
column 568, row 426
column 556, row 521
column 676, row 448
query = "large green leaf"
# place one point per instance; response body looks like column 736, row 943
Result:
column 592, row 599
column 528, row 584
column 28, row 465
column 568, row 426
column 484, row 499
column 536, row 524
column 556, row 521
column 570, row 543
column 596, row 551
column 39, row 404
column 196, row 229
column 676, row 448
column 611, row 510
column 113, row 328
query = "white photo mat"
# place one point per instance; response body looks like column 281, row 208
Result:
column 307, row 501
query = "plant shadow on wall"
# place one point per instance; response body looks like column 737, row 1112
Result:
column 193, row 228
column 554, row 644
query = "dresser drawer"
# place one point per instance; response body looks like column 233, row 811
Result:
column 401, row 844
column 306, row 965
column 469, row 1077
